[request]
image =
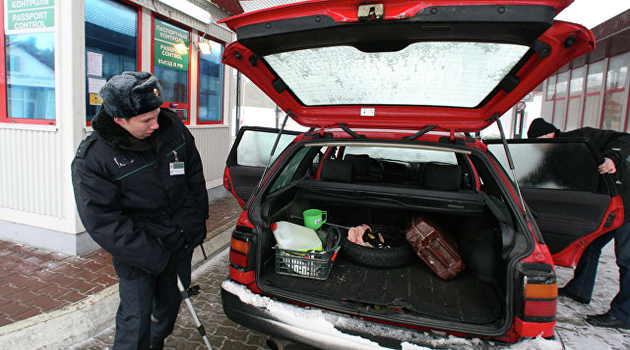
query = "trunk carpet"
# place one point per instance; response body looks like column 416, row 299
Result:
column 415, row 288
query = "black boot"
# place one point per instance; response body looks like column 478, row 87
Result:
column 607, row 320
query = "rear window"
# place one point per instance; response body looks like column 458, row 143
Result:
column 373, row 163
column 458, row 74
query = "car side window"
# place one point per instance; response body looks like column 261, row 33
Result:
column 552, row 165
column 288, row 174
column 255, row 147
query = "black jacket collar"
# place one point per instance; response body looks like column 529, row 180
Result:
column 116, row 136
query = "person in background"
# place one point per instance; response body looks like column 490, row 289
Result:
column 141, row 195
column 615, row 148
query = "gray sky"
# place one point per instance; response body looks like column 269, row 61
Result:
column 590, row 13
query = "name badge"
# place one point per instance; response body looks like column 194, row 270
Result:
column 177, row 168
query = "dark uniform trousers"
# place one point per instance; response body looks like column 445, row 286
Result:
column 148, row 305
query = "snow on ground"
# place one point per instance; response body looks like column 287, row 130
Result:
column 572, row 327
column 576, row 333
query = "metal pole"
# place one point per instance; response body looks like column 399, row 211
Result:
column 198, row 324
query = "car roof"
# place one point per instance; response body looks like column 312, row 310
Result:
column 456, row 65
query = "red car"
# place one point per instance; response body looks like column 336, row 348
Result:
column 394, row 93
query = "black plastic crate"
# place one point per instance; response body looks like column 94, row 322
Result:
column 312, row 264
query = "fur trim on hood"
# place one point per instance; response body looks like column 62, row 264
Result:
column 116, row 136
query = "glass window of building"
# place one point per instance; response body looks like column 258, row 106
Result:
column 617, row 72
column 574, row 114
column 561, row 84
column 613, row 115
column 558, row 113
column 211, row 84
column 29, row 64
column 595, row 77
column 594, row 84
column 111, row 46
column 613, row 111
column 574, row 105
column 577, row 81
column 551, row 87
column 171, row 64
column 591, row 111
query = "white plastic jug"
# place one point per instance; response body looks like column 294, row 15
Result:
column 295, row 237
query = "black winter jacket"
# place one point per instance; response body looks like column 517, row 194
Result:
column 127, row 198
column 616, row 146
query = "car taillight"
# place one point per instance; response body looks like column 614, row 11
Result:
column 539, row 300
column 536, row 300
column 239, row 253
column 242, row 256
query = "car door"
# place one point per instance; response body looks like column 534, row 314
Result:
column 249, row 156
column 571, row 202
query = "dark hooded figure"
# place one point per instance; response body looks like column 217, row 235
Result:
column 141, row 195
column 615, row 148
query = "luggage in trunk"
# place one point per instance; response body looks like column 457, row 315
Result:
column 434, row 248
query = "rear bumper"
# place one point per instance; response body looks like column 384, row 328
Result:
column 327, row 330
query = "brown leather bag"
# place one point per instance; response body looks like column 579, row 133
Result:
column 434, row 248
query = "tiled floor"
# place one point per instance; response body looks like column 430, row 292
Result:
column 35, row 281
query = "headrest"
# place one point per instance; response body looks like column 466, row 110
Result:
column 361, row 163
column 444, row 177
column 337, row 170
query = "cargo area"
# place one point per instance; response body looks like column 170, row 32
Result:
column 411, row 292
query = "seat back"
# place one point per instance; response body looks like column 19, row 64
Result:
column 444, row 177
column 337, row 170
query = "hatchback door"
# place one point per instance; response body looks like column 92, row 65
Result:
column 403, row 64
column 251, row 153
column 572, row 203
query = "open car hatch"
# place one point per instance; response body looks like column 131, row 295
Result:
column 401, row 64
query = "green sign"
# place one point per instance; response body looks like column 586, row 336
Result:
column 26, row 16
column 170, row 46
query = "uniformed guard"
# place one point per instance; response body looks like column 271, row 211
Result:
column 141, row 195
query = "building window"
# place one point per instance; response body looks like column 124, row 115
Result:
column 613, row 116
column 613, row 103
column 211, row 85
column 562, row 91
column 30, row 76
column 574, row 108
column 559, row 109
column 111, row 46
column 171, row 65
column 561, row 84
column 617, row 72
column 551, row 87
column 29, row 63
column 594, row 84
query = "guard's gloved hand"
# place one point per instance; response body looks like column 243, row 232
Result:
column 171, row 266
column 176, row 242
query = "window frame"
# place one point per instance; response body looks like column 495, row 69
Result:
column 210, row 122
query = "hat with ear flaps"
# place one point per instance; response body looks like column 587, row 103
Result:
column 130, row 94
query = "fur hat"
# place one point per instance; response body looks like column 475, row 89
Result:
column 540, row 127
column 131, row 94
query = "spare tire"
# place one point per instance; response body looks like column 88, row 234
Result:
column 399, row 254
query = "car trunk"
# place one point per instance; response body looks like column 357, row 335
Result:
column 411, row 293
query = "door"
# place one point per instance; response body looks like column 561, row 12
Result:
column 572, row 203
column 249, row 157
